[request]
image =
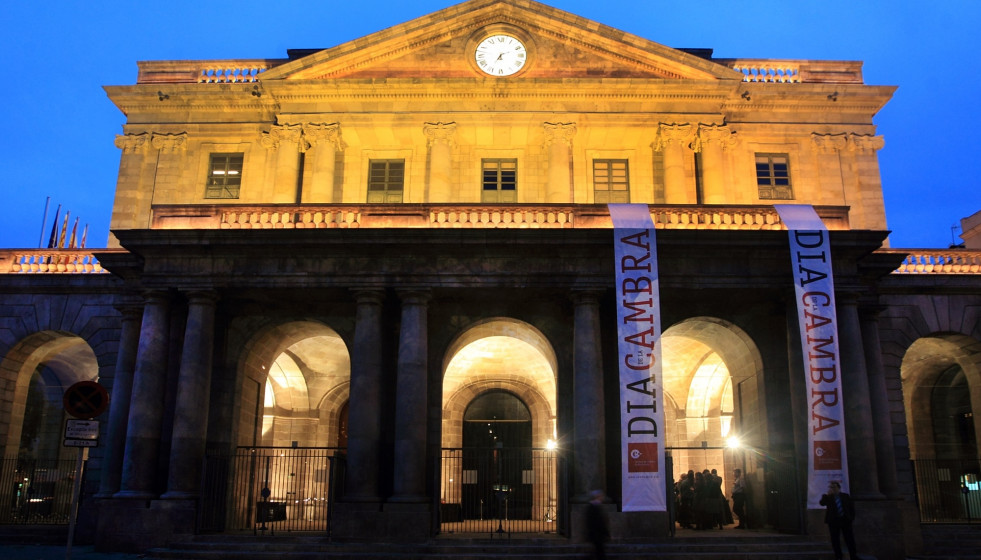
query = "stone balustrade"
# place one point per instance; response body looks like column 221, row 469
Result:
column 48, row 261
column 469, row 216
column 938, row 261
column 796, row 71
column 203, row 71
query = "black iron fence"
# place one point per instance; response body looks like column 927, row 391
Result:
column 36, row 492
column 270, row 489
column 501, row 490
column 948, row 491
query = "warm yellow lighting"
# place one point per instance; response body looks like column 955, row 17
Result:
column 733, row 442
column 551, row 445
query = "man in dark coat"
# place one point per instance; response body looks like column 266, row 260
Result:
column 839, row 514
column 597, row 530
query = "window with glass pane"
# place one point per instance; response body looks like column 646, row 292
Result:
column 500, row 180
column 610, row 181
column 224, row 176
column 386, row 178
column 773, row 177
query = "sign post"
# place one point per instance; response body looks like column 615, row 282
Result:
column 84, row 400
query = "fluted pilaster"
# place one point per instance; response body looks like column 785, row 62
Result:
column 439, row 138
column 558, row 142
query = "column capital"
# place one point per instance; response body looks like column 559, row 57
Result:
column 201, row 296
column 278, row 134
column 439, row 132
column 585, row 296
column 133, row 143
column 559, row 132
column 865, row 143
column 712, row 134
column 169, row 143
column 829, row 143
column 320, row 134
column 368, row 295
column 417, row 296
column 673, row 135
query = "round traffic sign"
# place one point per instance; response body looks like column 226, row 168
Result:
column 86, row 400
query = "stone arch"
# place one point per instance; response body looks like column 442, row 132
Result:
column 59, row 359
column 500, row 353
column 331, row 407
column 923, row 364
column 309, row 361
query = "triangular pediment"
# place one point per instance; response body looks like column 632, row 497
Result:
column 559, row 45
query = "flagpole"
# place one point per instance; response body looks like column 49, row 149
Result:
column 44, row 220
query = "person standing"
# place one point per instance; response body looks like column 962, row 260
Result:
column 739, row 498
column 839, row 514
column 597, row 530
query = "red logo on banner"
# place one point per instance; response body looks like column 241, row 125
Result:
column 827, row 455
column 641, row 457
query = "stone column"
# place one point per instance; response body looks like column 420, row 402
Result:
column 364, row 428
column 867, row 180
column 830, row 188
column 439, row 137
column 321, row 142
column 285, row 139
column 147, row 405
column 673, row 140
column 193, row 396
column 411, row 387
column 711, row 141
column 131, row 209
column 885, row 453
column 558, row 141
column 589, row 464
column 122, row 391
column 859, row 437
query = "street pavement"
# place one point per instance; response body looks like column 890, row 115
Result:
column 51, row 552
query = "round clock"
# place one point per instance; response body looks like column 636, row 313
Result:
column 500, row 55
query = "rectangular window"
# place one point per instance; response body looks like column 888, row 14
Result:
column 773, row 177
column 386, row 179
column 499, row 180
column 224, row 176
column 611, row 183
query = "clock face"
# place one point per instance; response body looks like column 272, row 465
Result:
column 500, row 55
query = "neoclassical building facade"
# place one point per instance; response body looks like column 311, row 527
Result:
column 368, row 291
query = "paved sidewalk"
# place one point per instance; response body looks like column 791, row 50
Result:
column 51, row 552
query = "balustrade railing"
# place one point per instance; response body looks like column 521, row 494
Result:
column 469, row 216
column 49, row 261
column 203, row 71
column 796, row 71
column 938, row 261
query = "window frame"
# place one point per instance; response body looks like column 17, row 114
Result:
column 501, row 194
column 387, row 193
column 216, row 189
column 773, row 185
column 609, row 182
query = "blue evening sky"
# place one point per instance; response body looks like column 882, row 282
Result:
column 61, row 126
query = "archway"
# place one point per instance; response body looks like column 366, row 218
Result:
column 941, row 390
column 36, row 470
column 499, row 381
column 712, row 380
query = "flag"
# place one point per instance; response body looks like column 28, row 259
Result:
column 85, row 233
column 54, row 229
column 71, row 241
column 64, row 231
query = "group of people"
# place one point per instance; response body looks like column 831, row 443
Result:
column 701, row 503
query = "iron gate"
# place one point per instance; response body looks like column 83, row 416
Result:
column 513, row 490
column 36, row 492
column 270, row 489
column 948, row 491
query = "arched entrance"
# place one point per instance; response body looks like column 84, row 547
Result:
column 712, row 380
column 941, row 389
column 36, row 471
column 498, row 431
column 292, row 424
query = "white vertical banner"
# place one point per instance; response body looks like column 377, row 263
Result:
column 810, row 255
column 639, row 358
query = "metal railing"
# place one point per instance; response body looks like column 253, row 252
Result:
column 501, row 490
column 948, row 491
column 36, row 492
column 270, row 489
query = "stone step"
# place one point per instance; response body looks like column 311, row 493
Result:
column 770, row 547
